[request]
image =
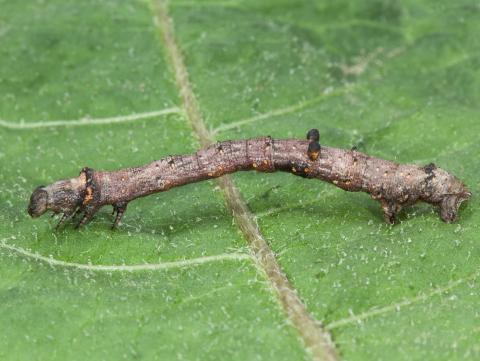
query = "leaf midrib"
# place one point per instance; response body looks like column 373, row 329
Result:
column 317, row 341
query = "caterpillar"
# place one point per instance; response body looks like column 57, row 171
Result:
column 394, row 185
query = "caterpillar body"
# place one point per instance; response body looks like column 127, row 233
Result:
column 394, row 185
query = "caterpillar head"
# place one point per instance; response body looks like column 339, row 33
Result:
column 60, row 197
column 38, row 202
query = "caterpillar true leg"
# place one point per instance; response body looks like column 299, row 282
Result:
column 87, row 216
column 120, row 208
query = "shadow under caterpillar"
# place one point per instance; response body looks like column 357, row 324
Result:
column 393, row 185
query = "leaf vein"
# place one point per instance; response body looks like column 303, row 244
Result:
column 376, row 311
column 88, row 121
column 317, row 341
column 234, row 256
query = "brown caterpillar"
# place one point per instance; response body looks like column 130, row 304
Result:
column 394, row 185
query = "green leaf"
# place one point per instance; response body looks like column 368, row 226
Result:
column 91, row 83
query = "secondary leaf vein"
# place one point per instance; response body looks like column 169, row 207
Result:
column 376, row 311
column 88, row 121
column 236, row 256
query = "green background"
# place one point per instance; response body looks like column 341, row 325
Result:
column 398, row 79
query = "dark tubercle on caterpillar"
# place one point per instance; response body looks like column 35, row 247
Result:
column 394, row 185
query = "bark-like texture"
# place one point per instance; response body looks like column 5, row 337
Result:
column 394, row 185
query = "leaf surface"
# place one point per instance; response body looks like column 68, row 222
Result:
column 399, row 80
